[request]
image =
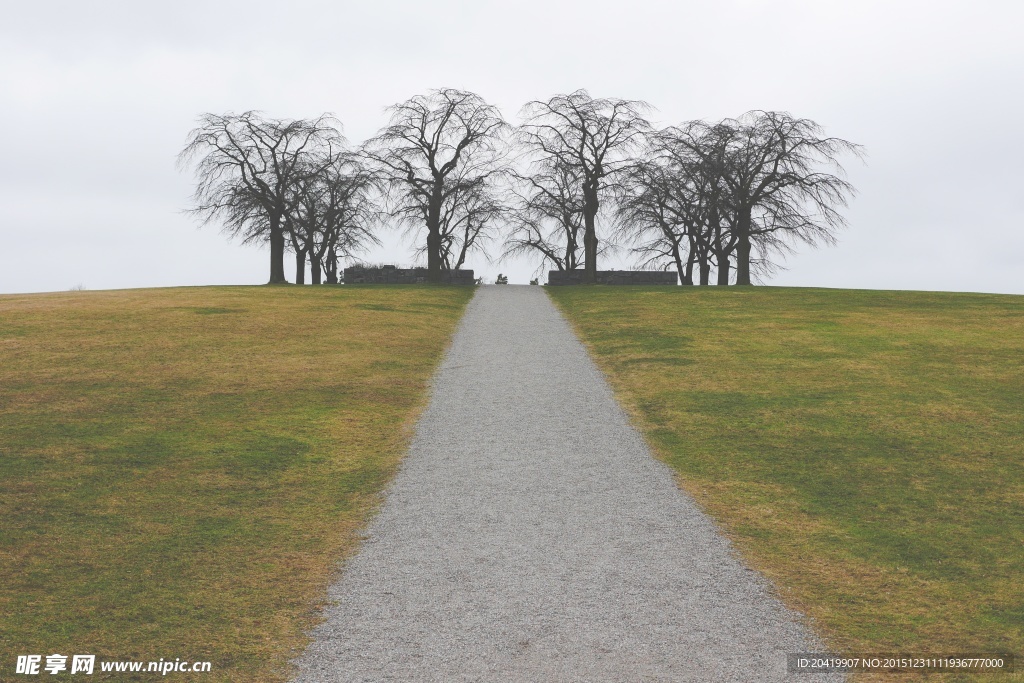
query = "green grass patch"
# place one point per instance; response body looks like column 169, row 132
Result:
column 182, row 470
column 863, row 449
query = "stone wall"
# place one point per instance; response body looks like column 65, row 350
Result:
column 615, row 277
column 390, row 275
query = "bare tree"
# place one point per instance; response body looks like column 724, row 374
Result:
column 738, row 190
column 547, row 218
column 247, row 166
column 670, row 205
column 771, row 185
column 471, row 214
column 777, row 187
column 651, row 216
column 351, row 213
column 434, row 146
column 334, row 214
column 595, row 138
column 697, row 153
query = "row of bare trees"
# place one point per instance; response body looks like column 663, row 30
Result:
column 733, row 193
column 577, row 175
column 287, row 183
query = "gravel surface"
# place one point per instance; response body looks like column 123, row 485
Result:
column 531, row 536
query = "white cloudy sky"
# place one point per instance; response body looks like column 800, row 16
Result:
column 96, row 99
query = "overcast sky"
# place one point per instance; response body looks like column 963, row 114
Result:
column 96, row 99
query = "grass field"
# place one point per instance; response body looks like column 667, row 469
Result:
column 863, row 449
column 181, row 470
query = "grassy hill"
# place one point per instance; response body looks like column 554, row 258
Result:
column 181, row 470
column 864, row 449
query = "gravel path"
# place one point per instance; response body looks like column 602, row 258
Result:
column 530, row 536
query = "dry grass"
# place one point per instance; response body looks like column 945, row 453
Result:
column 182, row 470
column 863, row 449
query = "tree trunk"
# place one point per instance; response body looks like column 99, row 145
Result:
column 276, row 252
column 705, row 270
column 723, row 270
column 570, row 255
column 332, row 266
column 590, row 206
column 678, row 259
column 434, row 234
column 300, row 266
column 433, row 255
column 743, row 249
column 590, row 256
column 315, row 269
column 691, row 258
column 743, row 260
